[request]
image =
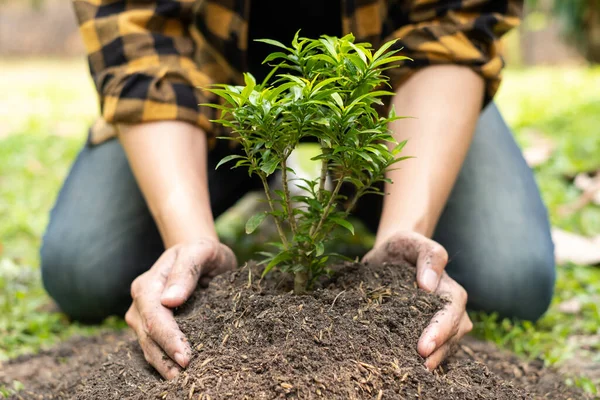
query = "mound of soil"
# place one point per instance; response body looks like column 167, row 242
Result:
column 354, row 337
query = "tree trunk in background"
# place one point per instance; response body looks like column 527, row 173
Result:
column 592, row 51
column 39, row 28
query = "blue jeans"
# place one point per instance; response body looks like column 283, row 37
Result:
column 495, row 228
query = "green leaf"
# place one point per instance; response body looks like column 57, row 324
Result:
column 324, row 57
column 250, row 85
column 360, row 52
column 255, row 221
column 320, row 249
column 278, row 259
column 274, row 43
column 343, row 223
column 366, row 157
column 299, row 81
column 338, row 100
column 399, row 147
column 327, row 43
column 383, row 49
column 227, row 159
column 274, row 56
column 270, row 166
column 324, row 83
column 389, row 60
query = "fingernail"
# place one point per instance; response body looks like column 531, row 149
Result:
column 173, row 292
column 172, row 374
column 181, row 360
column 428, row 365
column 430, row 280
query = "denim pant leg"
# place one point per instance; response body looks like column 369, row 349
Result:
column 494, row 226
column 101, row 235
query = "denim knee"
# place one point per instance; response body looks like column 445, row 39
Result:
column 519, row 285
column 83, row 289
column 535, row 287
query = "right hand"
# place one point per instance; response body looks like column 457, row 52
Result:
column 168, row 284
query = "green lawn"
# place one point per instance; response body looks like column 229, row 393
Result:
column 47, row 106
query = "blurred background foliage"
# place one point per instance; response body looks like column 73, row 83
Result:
column 579, row 22
column 550, row 92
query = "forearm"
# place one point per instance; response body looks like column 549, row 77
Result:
column 445, row 102
column 169, row 160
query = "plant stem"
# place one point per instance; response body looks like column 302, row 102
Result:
column 357, row 195
column 300, row 282
column 323, row 177
column 327, row 209
column 287, row 197
column 270, row 201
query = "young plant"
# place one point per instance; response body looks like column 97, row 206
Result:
column 328, row 94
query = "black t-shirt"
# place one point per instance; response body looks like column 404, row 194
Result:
column 269, row 19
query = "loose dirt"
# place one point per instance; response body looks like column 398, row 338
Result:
column 354, row 337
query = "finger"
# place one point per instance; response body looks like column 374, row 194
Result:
column 435, row 359
column 152, row 352
column 159, row 324
column 187, row 269
column 445, row 323
column 156, row 357
column 431, row 262
column 428, row 256
column 153, row 281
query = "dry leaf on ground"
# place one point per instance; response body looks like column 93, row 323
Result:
column 539, row 148
column 590, row 185
column 571, row 306
column 570, row 247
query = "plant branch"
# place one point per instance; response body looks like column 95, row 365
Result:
column 327, row 209
column 272, row 205
column 287, row 197
column 357, row 195
column 323, row 178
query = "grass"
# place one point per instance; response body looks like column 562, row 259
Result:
column 48, row 105
column 44, row 114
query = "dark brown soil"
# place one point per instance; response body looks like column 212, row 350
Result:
column 353, row 338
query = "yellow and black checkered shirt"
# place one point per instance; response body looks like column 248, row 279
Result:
column 150, row 58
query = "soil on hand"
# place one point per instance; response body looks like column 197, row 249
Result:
column 354, row 337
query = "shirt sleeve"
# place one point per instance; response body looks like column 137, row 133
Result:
column 141, row 59
column 463, row 32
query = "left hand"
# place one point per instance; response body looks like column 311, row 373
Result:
column 452, row 322
column 165, row 286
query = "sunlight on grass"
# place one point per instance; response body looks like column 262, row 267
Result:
column 44, row 114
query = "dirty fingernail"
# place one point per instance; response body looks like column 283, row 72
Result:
column 428, row 365
column 430, row 280
column 172, row 374
column 181, row 359
column 173, row 292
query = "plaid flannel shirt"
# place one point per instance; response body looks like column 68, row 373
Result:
column 150, row 58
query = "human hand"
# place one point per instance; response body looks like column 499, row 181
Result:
column 166, row 285
column 452, row 322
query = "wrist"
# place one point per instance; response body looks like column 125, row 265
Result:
column 398, row 224
column 183, row 217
